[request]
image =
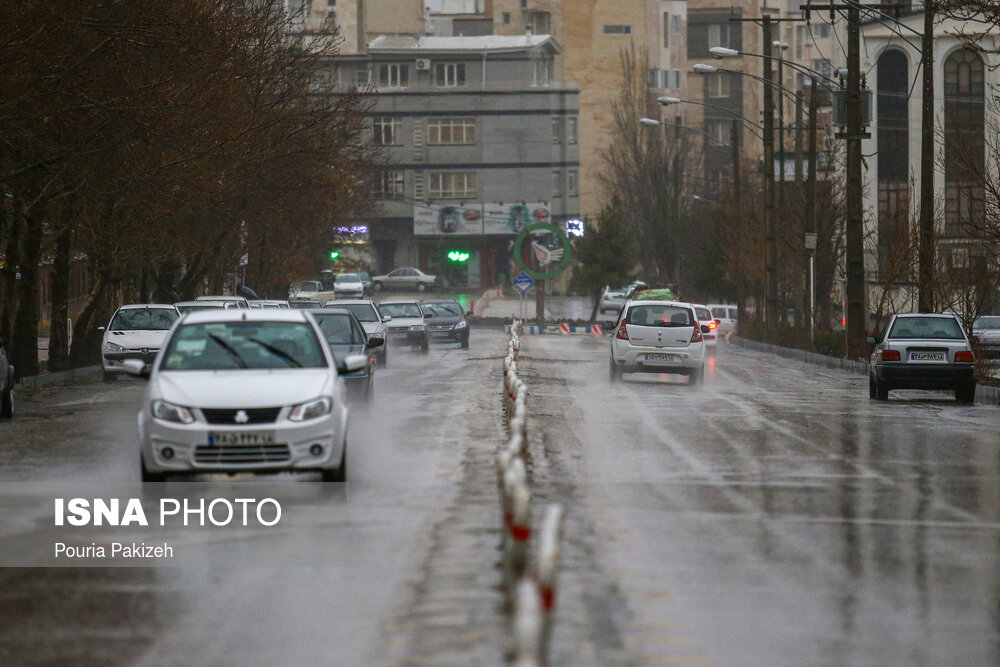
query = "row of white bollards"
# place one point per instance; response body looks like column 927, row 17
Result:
column 529, row 577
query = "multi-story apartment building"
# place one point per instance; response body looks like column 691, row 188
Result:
column 480, row 139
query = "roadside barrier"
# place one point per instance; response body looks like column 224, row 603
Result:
column 530, row 592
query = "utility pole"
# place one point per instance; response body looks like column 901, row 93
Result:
column 925, row 278
column 811, row 204
column 798, row 137
column 856, row 309
column 734, row 147
column 770, row 245
column 781, row 124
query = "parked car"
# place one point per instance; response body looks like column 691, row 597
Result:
column 188, row 306
column 348, row 286
column 6, row 383
column 407, row 326
column 986, row 336
column 374, row 323
column 240, row 301
column 447, row 321
column 922, row 351
column 346, row 337
column 310, row 290
column 244, row 391
column 136, row 331
column 658, row 337
column 405, row 278
column 711, row 336
column 304, row 304
column 727, row 314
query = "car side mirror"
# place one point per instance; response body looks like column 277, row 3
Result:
column 355, row 362
column 137, row 368
column 870, row 340
column 704, row 328
column 387, row 318
column 469, row 313
column 374, row 342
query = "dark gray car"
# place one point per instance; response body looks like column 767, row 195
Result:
column 446, row 320
column 345, row 336
column 6, row 383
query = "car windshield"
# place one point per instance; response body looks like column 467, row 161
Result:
column 339, row 330
column 442, row 309
column 205, row 305
column 304, row 304
column 401, row 309
column 363, row 311
column 988, row 322
column 346, row 278
column 926, row 327
column 655, row 315
column 306, row 287
column 143, row 319
column 243, row 345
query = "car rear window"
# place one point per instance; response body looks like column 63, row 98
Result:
column 703, row 313
column 657, row 315
column 926, row 327
column 363, row 311
column 720, row 313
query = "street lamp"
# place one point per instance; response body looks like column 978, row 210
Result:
column 722, row 52
column 650, row 122
column 750, row 125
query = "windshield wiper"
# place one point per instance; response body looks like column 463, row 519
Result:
column 229, row 350
column 277, row 351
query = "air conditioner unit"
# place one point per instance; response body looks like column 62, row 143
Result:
column 423, row 64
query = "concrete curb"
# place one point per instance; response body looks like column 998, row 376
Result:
column 984, row 394
column 86, row 373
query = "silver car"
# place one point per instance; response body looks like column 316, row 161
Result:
column 244, row 390
column 408, row 326
column 658, row 337
column 922, row 351
column 374, row 323
column 986, row 336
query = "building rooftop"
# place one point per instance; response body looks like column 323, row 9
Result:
column 477, row 44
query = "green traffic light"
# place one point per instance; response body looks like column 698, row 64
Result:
column 334, row 254
column 459, row 255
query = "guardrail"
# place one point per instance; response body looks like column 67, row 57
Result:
column 530, row 577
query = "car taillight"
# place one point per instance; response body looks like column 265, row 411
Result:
column 890, row 355
column 622, row 333
column 696, row 336
column 713, row 324
column 964, row 356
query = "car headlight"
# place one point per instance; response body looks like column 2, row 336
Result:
column 311, row 409
column 171, row 413
column 113, row 347
column 461, row 325
column 417, row 327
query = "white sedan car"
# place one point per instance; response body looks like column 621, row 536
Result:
column 658, row 337
column 136, row 331
column 244, row 391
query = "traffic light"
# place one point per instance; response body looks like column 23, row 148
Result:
column 459, row 255
column 334, row 255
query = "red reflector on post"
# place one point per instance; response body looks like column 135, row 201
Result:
column 890, row 355
column 964, row 356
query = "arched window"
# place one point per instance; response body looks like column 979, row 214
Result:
column 893, row 165
column 964, row 141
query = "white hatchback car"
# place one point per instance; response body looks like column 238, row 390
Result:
column 136, row 331
column 658, row 337
column 244, row 390
column 712, row 335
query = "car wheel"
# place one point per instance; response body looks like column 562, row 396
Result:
column 377, row 286
column 7, row 403
column 615, row 372
column 465, row 343
column 696, row 377
column 150, row 477
column 966, row 394
column 110, row 377
column 872, row 393
column 421, row 287
column 426, row 345
column 881, row 391
column 338, row 474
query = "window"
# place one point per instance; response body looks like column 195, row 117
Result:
column 617, row 30
column 506, row 18
column 662, row 79
column 556, row 129
column 718, row 130
column 390, row 185
column 718, row 34
column 540, row 23
column 556, row 183
column 821, row 30
column 393, row 76
column 572, row 183
column 542, row 72
column 666, row 30
column 452, row 185
column 964, row 117
column 571, row 129
column 451, row 130
column 331, row 3
column 675, row 24
column 362, row 75
column 524, row 3
column 449, row 75
column 386, row 130
column 717, row 84
column 823, row 67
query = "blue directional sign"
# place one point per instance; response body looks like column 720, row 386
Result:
column 522, row 282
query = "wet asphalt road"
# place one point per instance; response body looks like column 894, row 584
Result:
column 775, row 516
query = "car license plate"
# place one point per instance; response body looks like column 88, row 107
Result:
column 661, row 357
column 230, row 438
column 926, row 356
